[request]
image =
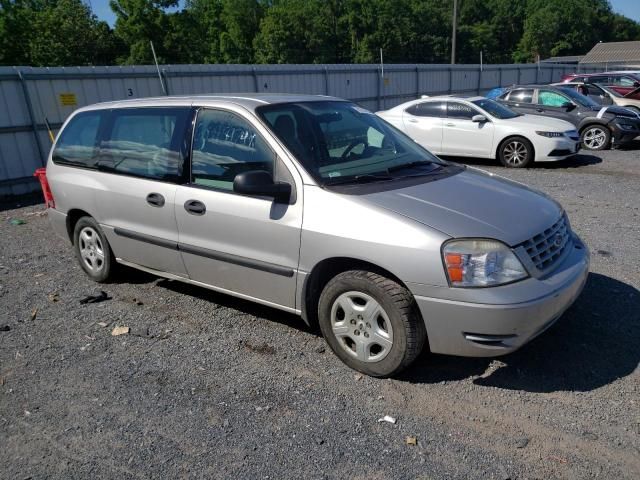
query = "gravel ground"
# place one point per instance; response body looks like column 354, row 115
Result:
column 207, row 386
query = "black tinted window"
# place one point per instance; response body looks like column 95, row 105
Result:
column 224, row 145
column 78, row 141
column 600, row 79
column 521, row 95
column 460, row 110
column 146, row 142
column 427, row 109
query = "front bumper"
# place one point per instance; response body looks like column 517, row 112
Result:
column 506, row 321
column 554, row 149
column 624, row 135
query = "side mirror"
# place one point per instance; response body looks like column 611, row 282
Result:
column 568, row 106
column 260, row 183
column 636, row 84
column 479, row 118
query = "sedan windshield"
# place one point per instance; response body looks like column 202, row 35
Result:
column 339, row 142
column 495, row 109
column 579, row 98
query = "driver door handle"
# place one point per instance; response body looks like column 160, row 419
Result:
column 195, row 207
column 539, row 109
column 412, row 120
column 155, row 200
column 449, row 124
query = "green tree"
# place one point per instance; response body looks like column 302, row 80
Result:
column 241, row 21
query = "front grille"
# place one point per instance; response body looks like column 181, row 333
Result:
column 547, row 247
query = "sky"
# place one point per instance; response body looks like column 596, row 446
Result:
column 630, row 8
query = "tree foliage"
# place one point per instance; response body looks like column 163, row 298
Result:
column 65, row 32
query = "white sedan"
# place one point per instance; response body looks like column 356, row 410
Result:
column 479, row 127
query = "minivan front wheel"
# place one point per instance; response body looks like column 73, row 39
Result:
column 371, row 322
column 92, row 250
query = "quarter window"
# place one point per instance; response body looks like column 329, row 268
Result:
column 146, row 142
column 623, row 82
column 225, row 145
column 427, row 109
column 78, row 141
column 551, row 99
column 460, row 111
column 523, row 95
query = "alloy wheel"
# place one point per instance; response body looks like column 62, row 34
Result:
column 594, row 138
column 515, row 153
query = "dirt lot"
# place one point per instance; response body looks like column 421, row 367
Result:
column 207, row 386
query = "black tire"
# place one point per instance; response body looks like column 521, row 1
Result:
column 399, row 309
column 105, row 264
column 516, row 152
column 595, row 137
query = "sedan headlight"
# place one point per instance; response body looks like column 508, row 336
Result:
column 481, row 263
column 550, row 134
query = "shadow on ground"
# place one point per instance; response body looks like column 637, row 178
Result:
column 593, row 344
column 244, row 306
column 582, row 160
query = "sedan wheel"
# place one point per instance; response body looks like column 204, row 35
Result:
column 516, row 152
column 596, row 137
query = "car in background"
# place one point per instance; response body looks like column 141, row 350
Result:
column 599, row 127
column 603, row 95
column 482, row 128
column 626, row 83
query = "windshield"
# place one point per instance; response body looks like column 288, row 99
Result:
column 579, row 98
column 338, row 142
column 495, row 109
column 610, row 91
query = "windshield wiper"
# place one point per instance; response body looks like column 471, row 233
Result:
column 364, row 178
column 415, row 163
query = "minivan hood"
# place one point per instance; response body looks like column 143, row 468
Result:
column 474, row 204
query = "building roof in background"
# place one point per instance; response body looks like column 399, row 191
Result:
column 613, row 52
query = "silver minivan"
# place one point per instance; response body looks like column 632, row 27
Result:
column 315, row 206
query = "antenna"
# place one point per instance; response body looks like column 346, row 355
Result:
column 155, row 59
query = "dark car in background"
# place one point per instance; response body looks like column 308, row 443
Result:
column 599, row 127
column 626, row 84
column 603, row 95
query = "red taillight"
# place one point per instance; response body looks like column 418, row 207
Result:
column 41, row 173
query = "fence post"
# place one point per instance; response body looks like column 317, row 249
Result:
column 255, row 79
column 326, row 81
column 500, row 76
column 379, row 78
column 479, row 78
column 32, row 117
column 450, row 80
column 166, row 82
column 417, row 81
column 519, row 75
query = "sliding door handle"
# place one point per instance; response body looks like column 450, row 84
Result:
column 195, row 207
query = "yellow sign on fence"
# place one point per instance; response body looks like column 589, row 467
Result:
column 68, row 100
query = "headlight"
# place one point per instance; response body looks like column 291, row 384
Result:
column 481, row 263
column 550, row 134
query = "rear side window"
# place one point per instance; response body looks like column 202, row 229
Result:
column 619, row 81
column 521, row 95
column 461, row 111
column 551, row 99
column 224, row 145
column 146, row 142
column 78, row 142
column 601, row 79
column 427, row 109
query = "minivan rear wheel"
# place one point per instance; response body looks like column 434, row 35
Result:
column 371, row 322
column 516, row 152
column 92, row 250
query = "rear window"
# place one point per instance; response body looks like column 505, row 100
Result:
column 78, row 141
column 427, row 109
column 146, row 142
